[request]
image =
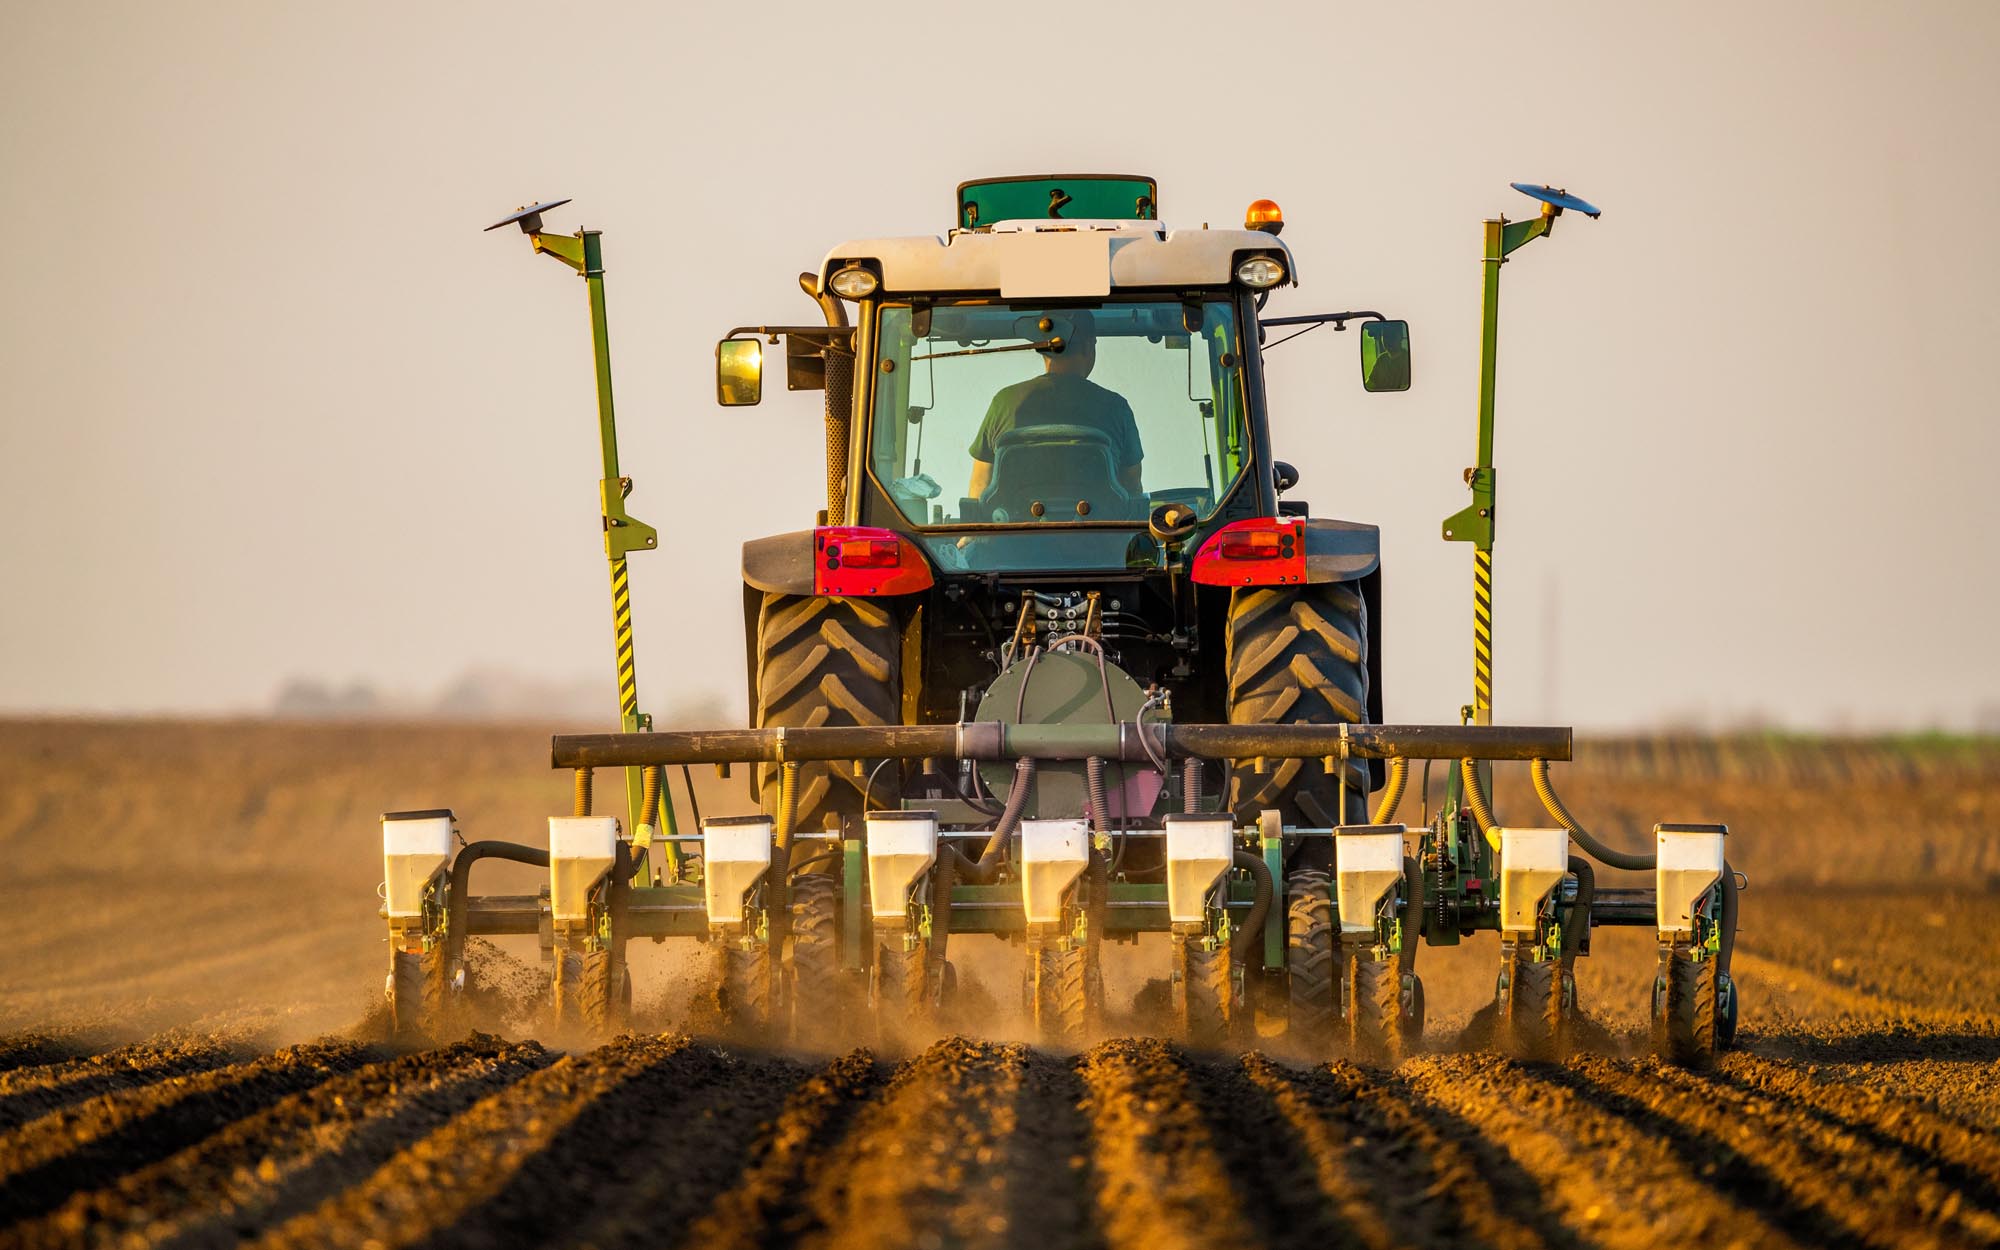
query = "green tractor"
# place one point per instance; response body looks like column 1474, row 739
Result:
column 1062, row 662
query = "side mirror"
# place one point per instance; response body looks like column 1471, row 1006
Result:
column 739, row 372
column 1385, row 355
column 1283, row 476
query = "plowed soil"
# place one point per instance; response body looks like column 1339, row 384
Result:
column 188, row 1055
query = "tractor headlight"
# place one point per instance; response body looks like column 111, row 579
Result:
column 853, row 282
column 1260, row 272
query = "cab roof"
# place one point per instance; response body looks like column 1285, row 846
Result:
column 1057, row 259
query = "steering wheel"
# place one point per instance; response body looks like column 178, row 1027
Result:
column 1172, row 522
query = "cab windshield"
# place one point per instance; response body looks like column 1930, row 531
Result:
column 1016, row 414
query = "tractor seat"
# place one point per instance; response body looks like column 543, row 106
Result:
column 1071, row 471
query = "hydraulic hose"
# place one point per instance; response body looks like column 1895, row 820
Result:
column 1097, row 911
column 649, row 803
column 987, row 866
column 1413, row 877
column 943, row 877
column 461, row 879
column 1392, row 793
column 1475, row 798
column 1244, row 944
column 1100, row 810
column 1579, row 916
column 1728, row 947
column 778, row 893
column 1539, row 770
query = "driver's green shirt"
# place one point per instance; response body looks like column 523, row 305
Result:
column 1060, row 399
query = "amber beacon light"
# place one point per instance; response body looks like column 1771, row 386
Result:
column 1264, row 215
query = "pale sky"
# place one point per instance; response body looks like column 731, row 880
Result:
column 272, row 406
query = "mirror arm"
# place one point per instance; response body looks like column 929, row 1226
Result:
column 830, row 306
column 1339, row 319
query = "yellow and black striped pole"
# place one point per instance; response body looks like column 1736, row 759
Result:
column 621, row 621
column 1482, row 636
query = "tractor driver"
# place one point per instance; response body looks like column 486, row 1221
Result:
column 1063, row 395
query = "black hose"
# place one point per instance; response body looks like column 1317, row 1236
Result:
column 461, row 881
column 1538, row 770
column 1413, row 876
column 1728, row 946
column 1244, row 944
column 1191, row 785
column 1098, row 910
column 943, row 877
column 983, row 870
column 1100, row 810
column 810, row 860
column 694, row 804
column 1579, row 915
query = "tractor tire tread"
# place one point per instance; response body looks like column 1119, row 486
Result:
column 824, row 661
column 1312, row 947
column 1297, row 655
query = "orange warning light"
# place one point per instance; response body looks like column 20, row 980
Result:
column 1264, row 215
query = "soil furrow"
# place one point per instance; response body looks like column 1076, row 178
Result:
column 1392, row 1177
column 30, row 1050
column 290, row 1156
column 48, row 1159
column 1964, row 1157
column 1161, row 1181
column 1761, row 973
column 513, row 1167
column 28, row 1092
column 690, row 1144
column 1865, row 1196
column 1611, row 1181
column 931, row 1161
column 762, row 1206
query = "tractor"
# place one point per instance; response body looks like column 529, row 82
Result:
column 1064, row 661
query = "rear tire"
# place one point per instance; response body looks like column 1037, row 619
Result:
column 824, row 661
column 1533, row 1020
column 1311, row 960
column 1298, row 655
column 1686, row 1014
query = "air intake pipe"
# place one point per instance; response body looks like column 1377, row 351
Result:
column 839, row 400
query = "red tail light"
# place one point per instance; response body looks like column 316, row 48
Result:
column 1250, row 545
column 854, row 561
column 1262, row 551
column 864, row 553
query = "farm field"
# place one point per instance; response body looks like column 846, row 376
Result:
column 191, row 1053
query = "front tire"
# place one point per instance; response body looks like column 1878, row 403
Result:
column 1206, row 994
column 1384, row 1009
column 1533, row 1018
column 1687, row 1011
column 814, row 971
column 1059, row 993
column 418, row 995
column 1311, row 961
